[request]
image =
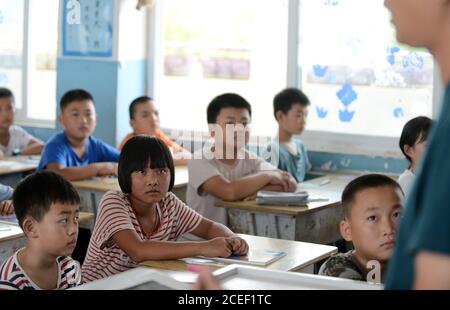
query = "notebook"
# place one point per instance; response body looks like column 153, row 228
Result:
column 257, row 257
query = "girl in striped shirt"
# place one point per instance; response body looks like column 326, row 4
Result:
column 145, row 219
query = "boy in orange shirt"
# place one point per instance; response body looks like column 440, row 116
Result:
column 144, row 119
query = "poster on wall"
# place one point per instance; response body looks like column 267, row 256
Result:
column 88, row 28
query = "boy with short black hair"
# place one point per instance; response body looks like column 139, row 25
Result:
column 75, row 153
column 226, row 170
column 290, row 108
column 47, row 208
column 14, row 140
column 371, row 206
column 144, row 119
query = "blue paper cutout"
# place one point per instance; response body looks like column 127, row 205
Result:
column 320, row 71
column 391, row 54
column 321, row 112
column 398, row 112
column 346, row 115
column 413, row 62
column 347, row 95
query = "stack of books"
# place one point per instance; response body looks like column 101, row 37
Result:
column 300, row 198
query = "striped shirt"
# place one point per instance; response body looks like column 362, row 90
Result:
column 104, row 257
column 14, row 277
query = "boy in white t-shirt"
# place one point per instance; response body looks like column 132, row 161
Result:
column 226, row 170
column 14, row 140
column 413, row 142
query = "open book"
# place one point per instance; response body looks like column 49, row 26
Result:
column 258, row 257
column 300, row 198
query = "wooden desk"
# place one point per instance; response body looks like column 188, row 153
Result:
column 92, row 190
column 13, row 238
column 317, row 222
column 13, row 169
column 299, row 256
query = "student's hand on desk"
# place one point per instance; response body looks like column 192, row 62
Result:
column 292, row 184
column 238, row 245
column 283, row 179
column 106, row 169
column 251, row 197
column 6, row 207
column 217, row 247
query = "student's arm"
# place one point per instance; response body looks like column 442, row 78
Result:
column 2, row 155
column 140, row 251
column 239, row 189
column 432, row 271
column 208, row 229
column 6, row 192
column 34, row 147
column 84, row 172
column 180, row 156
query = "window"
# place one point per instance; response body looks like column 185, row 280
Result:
column 226, row 46
column 11, row 46
column 28, row 53
column 362, row 83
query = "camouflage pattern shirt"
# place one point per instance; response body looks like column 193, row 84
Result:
column 343, row 265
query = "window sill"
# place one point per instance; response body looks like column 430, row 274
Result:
column 36, row 123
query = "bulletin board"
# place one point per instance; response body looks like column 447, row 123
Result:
column 92, row 36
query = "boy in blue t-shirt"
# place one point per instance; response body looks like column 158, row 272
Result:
column 74, row 153
column 290, row 109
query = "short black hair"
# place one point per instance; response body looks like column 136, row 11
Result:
column 415, row 130
column 74, row 95
column 35, row 194
column 228, row 100
column 139, row 153
column 284, row 100
column 137, row 101
column 6, row 93
column 362, row 183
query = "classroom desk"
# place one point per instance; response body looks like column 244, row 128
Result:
column 300, row 256
column 317, row 222
column 12, row 239
column 92, row 190
column 13, row 169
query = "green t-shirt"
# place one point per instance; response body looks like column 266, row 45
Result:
column 425, row 225
column 297, row 165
